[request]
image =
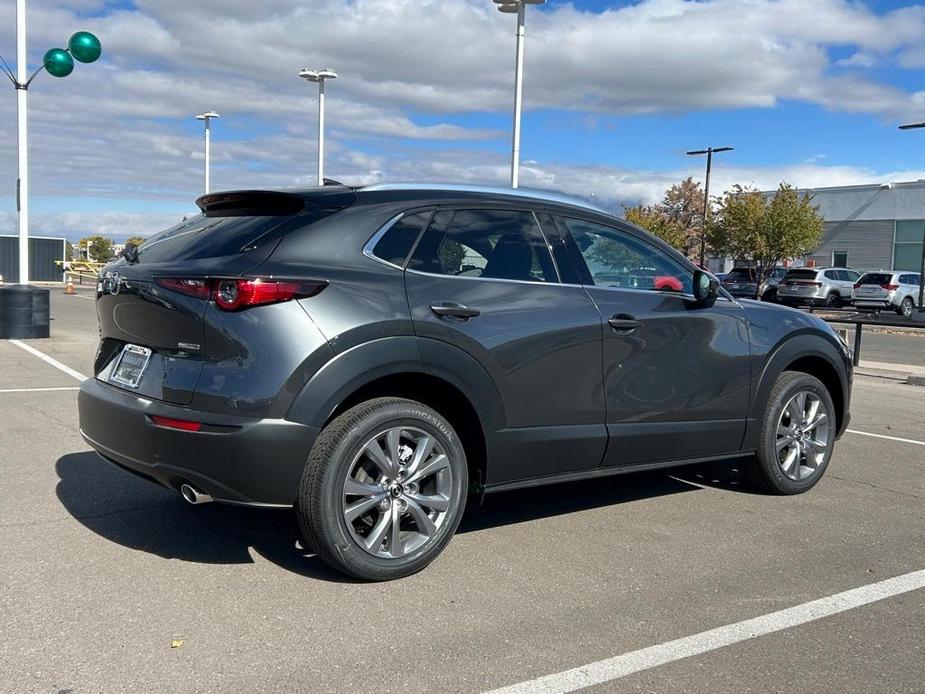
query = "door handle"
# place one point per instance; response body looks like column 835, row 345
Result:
column 623, row 323
column 453, row 310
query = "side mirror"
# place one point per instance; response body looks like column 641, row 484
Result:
column 706, row 288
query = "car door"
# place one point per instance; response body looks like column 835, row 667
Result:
column 483, row 280
column 675, row 374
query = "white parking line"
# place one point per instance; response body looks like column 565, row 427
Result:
column 653, row 656
column 883, row 436
column 49, row 360
column 35, row 390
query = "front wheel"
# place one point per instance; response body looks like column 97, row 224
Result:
column 384, row 489
column 797, row 435
column 905, row 308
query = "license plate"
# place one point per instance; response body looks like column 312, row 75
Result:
column 868, row 290
column 131, row 365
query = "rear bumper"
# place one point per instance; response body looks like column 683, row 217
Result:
column 242, row 461
column 873, row 303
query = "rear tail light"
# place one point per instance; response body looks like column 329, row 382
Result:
column 857, row 285
column 238, row 294
column 889, row 287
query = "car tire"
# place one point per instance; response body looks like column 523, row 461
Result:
column 832, row 300
column 905, row 307
column 401, row 516
column 770, row 296
column 792, row 453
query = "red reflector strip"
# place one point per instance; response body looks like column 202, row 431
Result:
column 171, row 423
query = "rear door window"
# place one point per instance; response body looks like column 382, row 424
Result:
column 487, row 244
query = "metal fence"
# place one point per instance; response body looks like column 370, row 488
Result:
column 44, row 253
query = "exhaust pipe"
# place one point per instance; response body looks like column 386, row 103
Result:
column 193, row 495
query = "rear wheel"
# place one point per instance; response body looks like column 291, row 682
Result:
column 905, row 308
column 797, row 435
column 384, row 489
column 832, row 300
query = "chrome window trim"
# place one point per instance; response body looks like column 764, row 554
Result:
column 490, row 279
column 375, row 238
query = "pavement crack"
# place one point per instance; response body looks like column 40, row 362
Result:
column 876, row 486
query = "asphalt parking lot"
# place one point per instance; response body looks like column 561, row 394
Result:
column 110, row 583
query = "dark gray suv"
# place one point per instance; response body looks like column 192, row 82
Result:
column 376, row 356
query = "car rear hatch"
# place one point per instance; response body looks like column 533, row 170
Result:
column 874, row 286
column 799, row 282
column 151, row 307
column 741, row 281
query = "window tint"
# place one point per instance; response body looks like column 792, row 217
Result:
column 831, row 274
column 852, row 275
column 617, row 259
column 396, row 243
column 876, row 278
column 741, row 274
column 492, row 244
column 211, row 237
column 909, row 279
column 801, row 275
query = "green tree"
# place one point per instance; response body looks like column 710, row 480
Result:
column 99, row 248
column 677, row 218
column 750, row 225
column 137, row 240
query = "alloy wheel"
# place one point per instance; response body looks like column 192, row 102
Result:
column 803, row 432
column 397, row 492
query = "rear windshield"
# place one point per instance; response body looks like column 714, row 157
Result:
column 801, row 275
column 211, row 237
column 875, row 278
column 740, row 273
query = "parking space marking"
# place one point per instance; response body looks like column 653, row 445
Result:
column 36, row 390
column 883, row 436
column 49, row 360
column 653, row 656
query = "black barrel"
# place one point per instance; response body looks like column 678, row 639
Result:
column 24, row 312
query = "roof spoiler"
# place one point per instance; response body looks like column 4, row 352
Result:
column 268, row 203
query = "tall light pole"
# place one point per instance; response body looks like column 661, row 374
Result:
column 520, row 8
column 206, row 118
column 917, row 126
column 59, row 62
column 709, row 151
column 319, row 76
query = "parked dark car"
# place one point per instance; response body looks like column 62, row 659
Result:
column 376, row 356
column 745, row 283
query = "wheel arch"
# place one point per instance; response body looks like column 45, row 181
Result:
column 446, row 379
column 809, row 353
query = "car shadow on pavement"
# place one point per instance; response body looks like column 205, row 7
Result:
column 140, row 515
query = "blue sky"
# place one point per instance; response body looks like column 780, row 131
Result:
column 808, row 91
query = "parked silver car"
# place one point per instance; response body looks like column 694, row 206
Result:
column 898, row 291
column 822, row 286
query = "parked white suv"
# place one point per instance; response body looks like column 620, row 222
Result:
column 896, row 290
column 822, row 286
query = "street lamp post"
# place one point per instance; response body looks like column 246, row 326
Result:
column 520, row 8
column 58, row 62
column 917, row 126
column 319, row 76
column 709, row 151
column 206, row 118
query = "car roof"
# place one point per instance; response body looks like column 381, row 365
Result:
column 486, row 191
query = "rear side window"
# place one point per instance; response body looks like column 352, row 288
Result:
column 909, row 279
column 876, row 278
column 491, row 244
column 801, row 275
column 396, row 243
column 831, row 275
column 212, row 237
